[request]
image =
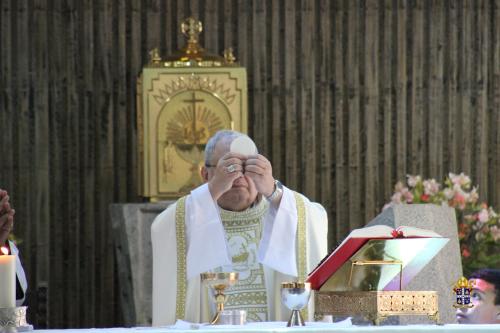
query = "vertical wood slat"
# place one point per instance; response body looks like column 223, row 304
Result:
column 416, row 104
column 385, row 96
column 353, row 115
column 262, row 117
column 436, row 62
column 494, row 102
column 481, row 83
column 451, row 95
column 371, row 104
column 466, row 64
column 277, row 88
column 346, row 97
column 308, row 153
column 324, row 114
column 290, row 94
column 340, row 104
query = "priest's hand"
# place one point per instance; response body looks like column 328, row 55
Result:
column 228, row 169
column 260, row 170
column 6, row 217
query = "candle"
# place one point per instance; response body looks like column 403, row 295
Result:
column 7, row 279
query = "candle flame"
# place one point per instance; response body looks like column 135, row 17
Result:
column 5, row 250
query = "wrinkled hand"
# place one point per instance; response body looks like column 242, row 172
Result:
column 228, row 169
column 6, row 217
column 259, row 169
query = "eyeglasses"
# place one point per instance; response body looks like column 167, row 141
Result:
column 210, row 165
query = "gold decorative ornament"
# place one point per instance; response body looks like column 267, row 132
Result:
column 182, row 100
column 364, row 284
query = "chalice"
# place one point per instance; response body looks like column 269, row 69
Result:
column 219, row 282
column 295, row 296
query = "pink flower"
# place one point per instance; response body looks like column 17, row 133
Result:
column 458, row 200
column 408, row 196
column 483, row 216
column 448, row 193
column 465, row 252
column 413, row 180
column 431, row 187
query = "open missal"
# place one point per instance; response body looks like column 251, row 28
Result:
column 354, row 242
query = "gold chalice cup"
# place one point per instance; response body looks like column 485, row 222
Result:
column 219, row 282
column 295, row 296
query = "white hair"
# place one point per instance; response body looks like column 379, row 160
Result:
column 226, row 135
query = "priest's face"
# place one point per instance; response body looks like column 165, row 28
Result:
column 484, row 310
column 243, row 192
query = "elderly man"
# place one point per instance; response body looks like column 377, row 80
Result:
column 6, row 226
column 485, row 298
column 240, row 220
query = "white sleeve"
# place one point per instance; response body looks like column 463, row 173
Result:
column 277, row 246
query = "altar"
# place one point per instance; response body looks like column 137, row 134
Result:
column 271, row 327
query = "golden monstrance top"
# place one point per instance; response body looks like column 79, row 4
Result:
column 193, row 54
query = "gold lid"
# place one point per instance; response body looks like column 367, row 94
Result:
column 193, row 54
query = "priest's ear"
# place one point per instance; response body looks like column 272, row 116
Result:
column 204, row 173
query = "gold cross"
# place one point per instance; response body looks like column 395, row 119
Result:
column 191, row 28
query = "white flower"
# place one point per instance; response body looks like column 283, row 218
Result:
column 431, row 187
column 495, row 232
column 396, row 197
column 399, row 187
column 461, row 179
column 413, row 180
column 473, row 195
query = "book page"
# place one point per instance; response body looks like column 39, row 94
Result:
column 384, row 231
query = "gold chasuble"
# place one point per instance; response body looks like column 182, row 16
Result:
column 243, row 234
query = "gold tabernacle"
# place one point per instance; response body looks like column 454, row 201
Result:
column 182, row 100
column 371, row 282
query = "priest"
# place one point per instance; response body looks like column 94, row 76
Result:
column 241, row 220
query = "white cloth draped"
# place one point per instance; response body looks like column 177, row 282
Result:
column 207, row 249
column 21, row 276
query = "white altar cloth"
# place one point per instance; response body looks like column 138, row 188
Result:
column 280, row 327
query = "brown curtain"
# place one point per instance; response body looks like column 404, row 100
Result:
column 346, row 97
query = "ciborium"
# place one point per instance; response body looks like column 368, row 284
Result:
column 219, row 282
column 295, row 296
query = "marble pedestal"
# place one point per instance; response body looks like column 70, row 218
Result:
column 441, row 273
column 131, row 224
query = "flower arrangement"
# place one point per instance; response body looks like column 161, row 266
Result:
column 478, row 224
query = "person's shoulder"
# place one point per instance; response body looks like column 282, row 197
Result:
column 166, row 216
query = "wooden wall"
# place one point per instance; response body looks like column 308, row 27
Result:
column 346, row 98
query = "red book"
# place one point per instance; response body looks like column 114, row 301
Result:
column 355, row 241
